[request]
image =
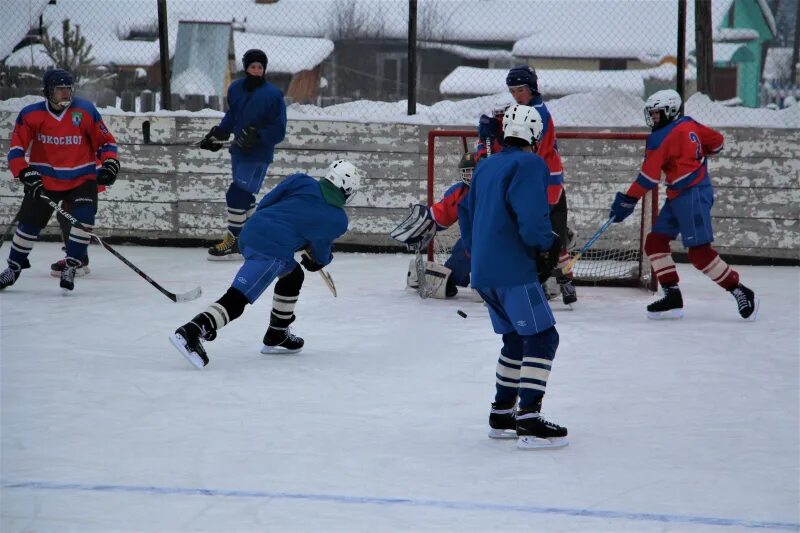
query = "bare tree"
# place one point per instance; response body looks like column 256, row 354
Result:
column 355, row 20
column 69, row 52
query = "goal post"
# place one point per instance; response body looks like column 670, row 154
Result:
column 596, row 165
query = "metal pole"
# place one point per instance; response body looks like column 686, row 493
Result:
column 163, row 46
column 412, row 57
column 681, row 66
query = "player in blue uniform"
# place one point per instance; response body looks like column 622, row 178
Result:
column 257, row 119
column 679, row 147
column 300, row 213
column 523, row 84
column 505, row 226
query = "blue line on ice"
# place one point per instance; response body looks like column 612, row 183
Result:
column 441, row 504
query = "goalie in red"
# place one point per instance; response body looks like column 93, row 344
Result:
column 421, row 226
column 680, row 146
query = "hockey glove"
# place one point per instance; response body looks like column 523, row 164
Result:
column 622, row 207
column 217, row 134
column 310, row 264
column 487, row 127
column 32, row 181
column 546, row 261
column 107, row 174
column 247, row 138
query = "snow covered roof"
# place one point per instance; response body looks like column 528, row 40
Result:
column 475, row 81
column 18, row 17
column 643, row 29
column 287, row 55
column 30, row 56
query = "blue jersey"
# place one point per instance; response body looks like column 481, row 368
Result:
column 505, row 219
column 264, row 108
column 293, row 216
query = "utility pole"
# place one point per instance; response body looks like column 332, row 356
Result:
column 704, row 49
column 163, row 46
column 412, row 57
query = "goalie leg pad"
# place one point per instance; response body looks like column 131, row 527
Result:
column 436, row 277
column 411, row 276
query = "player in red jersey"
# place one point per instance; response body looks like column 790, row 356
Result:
column 64, row 137
column 523, row 84
column 679, row 146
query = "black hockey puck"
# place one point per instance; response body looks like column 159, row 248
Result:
column 461, row 313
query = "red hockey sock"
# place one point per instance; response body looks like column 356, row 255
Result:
column 656, row 247
column 563, row 259
column 707, row 260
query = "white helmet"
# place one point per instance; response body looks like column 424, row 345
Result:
column 344, row 175
column 668, row 101
column 523, row 122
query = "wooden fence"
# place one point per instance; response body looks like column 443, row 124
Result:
column 174, row 193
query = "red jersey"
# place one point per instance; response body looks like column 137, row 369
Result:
column 65, row 149
column 679, row 150
column 547, row 149
column 445, row 211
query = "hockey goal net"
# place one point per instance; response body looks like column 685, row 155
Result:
column 596, row 166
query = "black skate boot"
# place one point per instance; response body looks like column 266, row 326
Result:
column 59, row 266
column 68, row 274
column 281, row 341
column 747, row 302
column 188, row 338
column 502, row 422
column 227, row 250
column 568, row 294
column 535, row 432
column 11, row 274
column 670, row 306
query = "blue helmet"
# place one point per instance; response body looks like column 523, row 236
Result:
column 56, row 78
column 523, row 75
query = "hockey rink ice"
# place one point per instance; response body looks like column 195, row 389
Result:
column 380, row 423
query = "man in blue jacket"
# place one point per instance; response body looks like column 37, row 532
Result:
column 257, row 119
column 300, row 213
column 505, row 226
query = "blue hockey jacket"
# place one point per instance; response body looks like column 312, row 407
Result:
column 505, row 218
column 292, row 216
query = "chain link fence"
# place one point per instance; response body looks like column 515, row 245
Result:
column 597, row 60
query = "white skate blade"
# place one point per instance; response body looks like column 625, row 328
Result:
column 180, row 344
column 229, row 257
column 279, row 350
column 502, row 433
column 672, row 314
column 756, row 305
column 79, row 272
column 533, row 443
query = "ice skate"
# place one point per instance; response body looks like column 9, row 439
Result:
column 502, row 422
column 281, row 341
column 535, row 432
column 670, row 306
column 226, row 250
column 57, row 267
column 11, row 274
column 746, row 301
column 568, row 293
column 67, row 281
column 187, row 339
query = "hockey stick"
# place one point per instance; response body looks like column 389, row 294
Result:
column 147, row 140
column 10, row 227
column 324, row 275
column 566, row 268
column 183, row 297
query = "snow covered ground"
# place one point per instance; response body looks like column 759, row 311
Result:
column 380, row 423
